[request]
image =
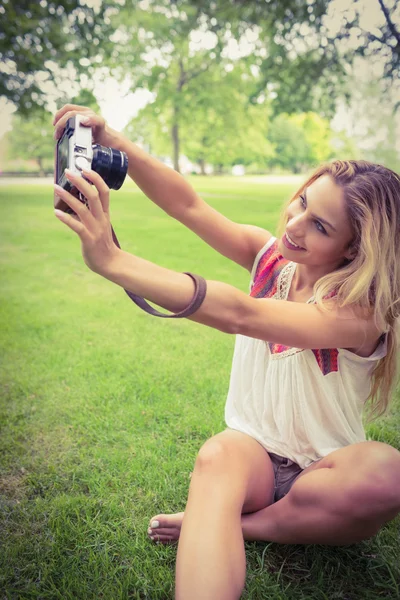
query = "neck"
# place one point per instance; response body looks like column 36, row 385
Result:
column 305, row 277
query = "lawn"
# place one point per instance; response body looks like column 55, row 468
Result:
column 104, row 408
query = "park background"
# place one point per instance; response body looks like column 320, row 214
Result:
column 103, row 408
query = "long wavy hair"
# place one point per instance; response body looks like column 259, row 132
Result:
column 371, row 280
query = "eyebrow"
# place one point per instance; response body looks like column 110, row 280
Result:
column 319, row 218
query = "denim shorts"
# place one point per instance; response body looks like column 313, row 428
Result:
column 286, row 471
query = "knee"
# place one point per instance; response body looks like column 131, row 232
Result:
column 368, row 501
column 375, row 491
column 214, row 455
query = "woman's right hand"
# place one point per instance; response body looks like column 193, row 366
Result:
column 100, row 131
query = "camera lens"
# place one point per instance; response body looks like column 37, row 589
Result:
column 110, row 164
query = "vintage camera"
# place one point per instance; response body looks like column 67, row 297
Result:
column 75, row 151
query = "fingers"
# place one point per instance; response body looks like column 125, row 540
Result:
column 68, row 108
column 102, row 188
column 60, row 124
column 72, row 223
column 80, row 209
column 86, row 216
column 98, row 196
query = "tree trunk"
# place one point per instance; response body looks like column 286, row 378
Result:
column 41, row 169
column 175, row 140
column 175, row 125
column 202, row 165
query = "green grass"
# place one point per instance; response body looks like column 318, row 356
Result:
column 104, row 409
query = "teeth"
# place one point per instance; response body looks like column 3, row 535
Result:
column 291, row 241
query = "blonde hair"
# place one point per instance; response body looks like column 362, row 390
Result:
column 371, row 280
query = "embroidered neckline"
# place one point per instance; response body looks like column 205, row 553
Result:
column 285, row 280
column 283, row 286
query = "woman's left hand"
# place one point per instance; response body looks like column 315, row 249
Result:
column 91, row 224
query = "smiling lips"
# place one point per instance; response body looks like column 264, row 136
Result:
column 290, row 243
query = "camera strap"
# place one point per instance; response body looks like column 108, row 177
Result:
column 196, row 302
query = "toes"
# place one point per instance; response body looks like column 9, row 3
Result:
column 156, row 521
column 162, row 531
column 162, row 539
column 165, row 525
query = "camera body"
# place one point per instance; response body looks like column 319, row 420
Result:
column 75, row 151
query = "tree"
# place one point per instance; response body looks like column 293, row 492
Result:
column 290, row 145
column 377, row 36
column 169, row 66
column 228, row 130
column 288, row 67
column 318, row 135
column 32, row 139
column 373, row 122
column 300, row 141
column 300, row 67
column 312, row 43
column 37, row 39
column 344, row 147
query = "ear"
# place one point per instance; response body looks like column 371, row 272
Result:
column 350, row 253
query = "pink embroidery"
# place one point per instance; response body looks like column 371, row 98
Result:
column 327, row 360
column 267, row 272
column 265, row 285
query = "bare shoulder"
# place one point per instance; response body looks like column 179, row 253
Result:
column 257, row 238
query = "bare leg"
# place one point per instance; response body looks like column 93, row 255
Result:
column 211, row 560
column 232, row 471
column 290, row 521
column 347, row 498
column 308, row 514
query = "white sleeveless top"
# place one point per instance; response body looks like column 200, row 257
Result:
column 301, row 404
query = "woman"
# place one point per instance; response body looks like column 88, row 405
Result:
column 316, row 339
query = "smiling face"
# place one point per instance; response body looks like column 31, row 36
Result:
column 318, row 222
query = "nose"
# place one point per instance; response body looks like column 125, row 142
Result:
column 295, row 226
column 295, row 230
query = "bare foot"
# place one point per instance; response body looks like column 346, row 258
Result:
column 168, row 529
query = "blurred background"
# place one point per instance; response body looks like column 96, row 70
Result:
column 218, row 87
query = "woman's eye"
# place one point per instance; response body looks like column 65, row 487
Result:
column 317, row 223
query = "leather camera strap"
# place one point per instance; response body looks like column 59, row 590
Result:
column 196, row 302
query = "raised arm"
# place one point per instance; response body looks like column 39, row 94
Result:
column 225, row 307
column 173, row 194
column 164, row 186
column 293, row 324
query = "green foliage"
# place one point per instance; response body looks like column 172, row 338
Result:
column 317, row 133
column 291, row 147
column 208, row 106
column 32, row 138
column 86, row 98
column 301, row 69
column 217, row 124
column 345, row 147
column 39, row 38
column 376, row 111
column 200, row 100
column 222, row 127
column 380, row 41
column 300, row 141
